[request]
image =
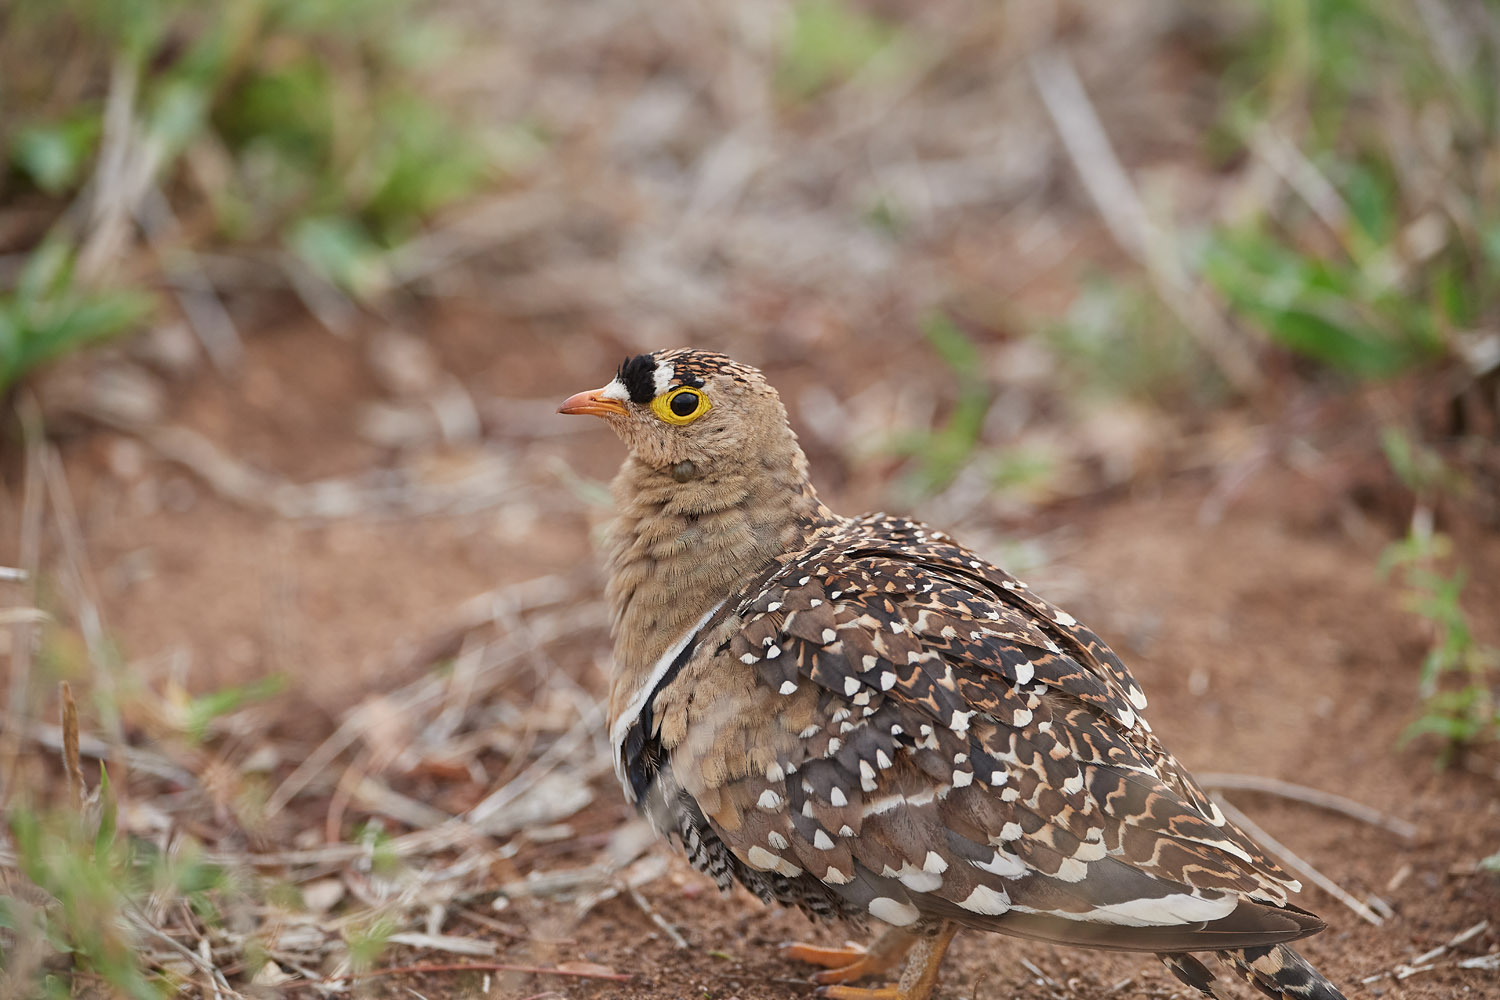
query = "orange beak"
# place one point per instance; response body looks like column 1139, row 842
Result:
column 593, row 403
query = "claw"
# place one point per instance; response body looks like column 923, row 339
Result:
column 840, row 965
column 845, row 965
column 830, row 958
column 858, row 993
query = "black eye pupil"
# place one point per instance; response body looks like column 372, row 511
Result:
column 683, row 404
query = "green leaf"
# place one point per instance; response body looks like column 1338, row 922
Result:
column 46, row 272
column 203, row 710
column 1356, row 351
column 178, row 115
column 1372, row 201
column 1489, row 239
column 1451, row 729
column 953, row 346
column 46, row 316
column 26, row 829
column 105, row 838
column 421, row 162
column 53, row 155
column 342, row 251
column 289, row 108
column 829, row 41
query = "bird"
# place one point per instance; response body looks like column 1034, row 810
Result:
column 862, row 718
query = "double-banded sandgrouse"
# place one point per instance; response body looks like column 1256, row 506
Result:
column 861, row 717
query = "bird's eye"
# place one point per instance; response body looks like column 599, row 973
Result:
column 681, row 406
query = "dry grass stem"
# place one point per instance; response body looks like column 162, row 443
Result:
column 398, row 493
column 143, row 923
column 323, row 299
column 109, row 206
column 1312, row 796
column 71, row 765
column 87, row 606
column 23, row 621
column 1425, row 962
column 481, row 228
column 1303, row 176
column 147, row 762
column 1114, row 195
column 533, row 970
column 195, row 292
column 644, row 905
column 1296, row 864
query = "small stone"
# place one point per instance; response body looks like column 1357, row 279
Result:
column 322, row 895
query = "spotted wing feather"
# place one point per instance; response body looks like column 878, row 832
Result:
column 936, row 742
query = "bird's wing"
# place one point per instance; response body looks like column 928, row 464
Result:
column 906, row 723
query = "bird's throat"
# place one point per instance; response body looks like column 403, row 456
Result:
column 678, row 548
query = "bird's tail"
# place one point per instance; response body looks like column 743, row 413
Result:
column 1281, row 973
column 1276, row 970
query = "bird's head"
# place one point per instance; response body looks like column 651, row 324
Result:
column 691, row 412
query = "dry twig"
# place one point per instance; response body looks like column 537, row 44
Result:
column 1425, row 961
column 1296, row 863
column 70, row 746
column 533, row 970
column 136, row 758
column 1115, row 197
column 22, row 627
column 644, row 905
column 195, row 291
column 141, row 922
column 85, row 590
column 1312, row 796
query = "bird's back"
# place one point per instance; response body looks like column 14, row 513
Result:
column 895, row 719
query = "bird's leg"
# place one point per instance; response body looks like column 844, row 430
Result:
column 852, row 962
column 918, row 978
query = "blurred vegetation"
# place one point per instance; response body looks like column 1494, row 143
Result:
column 1460, row 675
column 299, row 127
column 829, row 42
column 47, row 314
column 936, row 456
column 265, row 123
column 1382, row 117
column 1118, row 339
column 95, row 886
column 1373, row 255
column 1375, row 252
column 939, row 454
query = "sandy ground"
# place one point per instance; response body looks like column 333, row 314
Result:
column 1265, row 640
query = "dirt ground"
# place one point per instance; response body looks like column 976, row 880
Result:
column 388, row 515
column 1263, row 636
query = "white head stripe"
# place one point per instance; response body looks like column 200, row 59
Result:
column 664, row 375
column 615, row 390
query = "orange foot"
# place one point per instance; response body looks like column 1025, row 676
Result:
column 851, row 962
column 858, row 993
column 845, row 965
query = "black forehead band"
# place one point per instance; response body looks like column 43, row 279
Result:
column 638, row 376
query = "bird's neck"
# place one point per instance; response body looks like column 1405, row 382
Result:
column 678, row 548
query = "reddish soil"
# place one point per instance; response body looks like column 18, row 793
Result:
column 1266, row 641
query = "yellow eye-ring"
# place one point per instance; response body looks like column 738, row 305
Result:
column 681, row 406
